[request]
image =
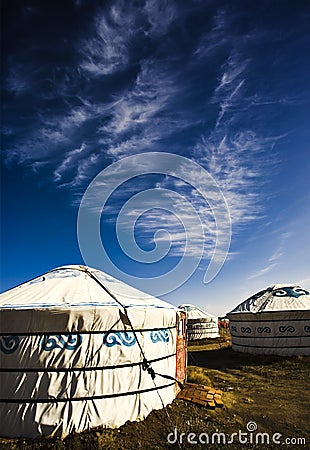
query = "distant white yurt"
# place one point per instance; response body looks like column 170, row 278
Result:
column 80, row 349
column 200, row 324
column 274, row 321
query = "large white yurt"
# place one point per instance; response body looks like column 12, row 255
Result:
column 80, row 349
column 274, row 321
column 200, row 324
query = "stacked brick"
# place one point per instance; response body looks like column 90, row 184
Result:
column 202, row 395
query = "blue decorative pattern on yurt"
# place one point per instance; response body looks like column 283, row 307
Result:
column 290, row 292
column 128, row 338
column 66, row 341
column 159, row 336
column 119, row 338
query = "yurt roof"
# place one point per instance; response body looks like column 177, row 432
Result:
column 75, row 287
column 193, row 312
column 280, row 297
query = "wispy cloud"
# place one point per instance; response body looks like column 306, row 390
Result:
column 236, row 162
column 139, row 117
column 160, row 16
column 188, row 222
column 228, row 93
column 107, row 51
column 215, row 38
column 117, row 27
column 190, row 216
column 152, row 90
column 42, row 143
column 67, row 163
column 227, row 102
column 124, row 121
column 274, row 260
column 263, row 271
column 83, row 169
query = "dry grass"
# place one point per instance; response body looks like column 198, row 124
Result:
column 198, row 375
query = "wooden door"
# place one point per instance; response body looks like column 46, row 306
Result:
column 181, row 352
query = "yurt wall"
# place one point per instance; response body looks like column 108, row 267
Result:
column 80, row 349
column 200, row 324
column 273, row 321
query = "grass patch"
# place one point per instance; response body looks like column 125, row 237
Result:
column 198, row 375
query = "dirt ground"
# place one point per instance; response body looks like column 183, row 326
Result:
column 261, row 395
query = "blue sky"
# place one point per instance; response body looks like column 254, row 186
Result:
column 225, row 84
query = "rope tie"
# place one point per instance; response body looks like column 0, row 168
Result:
column 147, row 366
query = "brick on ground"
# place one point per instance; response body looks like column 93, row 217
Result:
column 202, row 395
column 211, row 405
column 200, row 402
column 218, row 403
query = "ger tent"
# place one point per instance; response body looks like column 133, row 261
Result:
column 80, row 349
column 274, row 321
column 200, row 324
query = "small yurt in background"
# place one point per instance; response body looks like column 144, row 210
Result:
column 80, row 349
column 274, row 321
column 200, row 324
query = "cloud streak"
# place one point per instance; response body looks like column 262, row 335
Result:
column 277, row 256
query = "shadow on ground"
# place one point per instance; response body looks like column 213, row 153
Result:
column 226, row 358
